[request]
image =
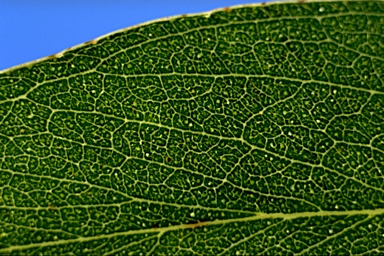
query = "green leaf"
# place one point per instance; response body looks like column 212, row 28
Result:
column 253, row 130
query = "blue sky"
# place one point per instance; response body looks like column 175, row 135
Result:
column 32, row 29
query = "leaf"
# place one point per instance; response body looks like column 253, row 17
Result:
column 253, row 130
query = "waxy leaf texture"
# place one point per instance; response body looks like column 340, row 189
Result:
column 249, row 130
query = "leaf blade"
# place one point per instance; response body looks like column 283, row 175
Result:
column 251, row 130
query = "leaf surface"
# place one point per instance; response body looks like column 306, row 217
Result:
column 253, row 130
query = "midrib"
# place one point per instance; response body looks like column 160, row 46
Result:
column 160, row 231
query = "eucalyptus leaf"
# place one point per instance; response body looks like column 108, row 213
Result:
column 248, row 130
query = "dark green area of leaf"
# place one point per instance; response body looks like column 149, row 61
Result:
column 203, row 119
